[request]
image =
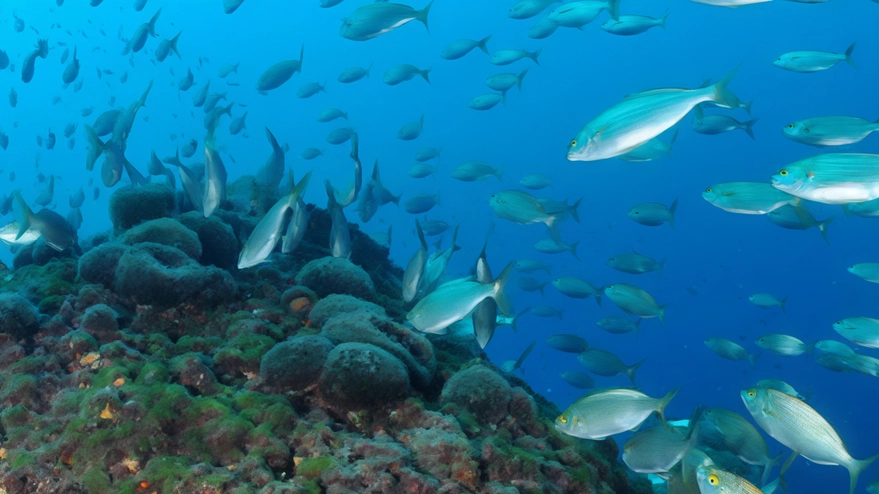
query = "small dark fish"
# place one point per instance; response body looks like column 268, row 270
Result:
column 50, row 141
column 96, row 194
column 4, row 60
column 13, row 97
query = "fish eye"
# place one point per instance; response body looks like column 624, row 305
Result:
column 708, row 189
column 562, row 419
column 713, row 479
column 783, row 173
column 574, row 142
column 752, row 393
column 790, row 126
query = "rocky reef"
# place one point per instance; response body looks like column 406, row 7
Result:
column 149, row 363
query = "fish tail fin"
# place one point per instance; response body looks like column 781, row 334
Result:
column 637, row 326
column 598, row 299
column 722, row 96
column 560, row 314
column 855, row 469
column 273, row 142
column 542, row 287
column 783, row 303
column 235, row 67
column 752, row 358
column 368, row 70
column 767, row 468
column 521, row 76
column 749, row 127
column 613, row 8
column 499, row 172
column 822, row 227
column 153, row 22
column 298, row 190
column 516, row 319
column 662, row 313
column 630, row 370
column 663, row 19
column 535, row 54
column 573, row 209
column 663, row 402
column 174, row 44
column 671, row 212
column 503, row 302
column 747, row 106
column 483, row 44
column 421, row 15
column 671, row 143
column 573, row 250
column 426, row 74
column 848, row 54
column 27, row 215
column 847, row 210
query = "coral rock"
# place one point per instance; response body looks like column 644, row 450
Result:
column 18, row 317
column 337, row 304
column 100, row 322
column 220, row 246
column 336, row 275
column 130, row 206
column 480, row 391
column 99, row 264
column 295, row 364
column 165, row 231
column 358, row 375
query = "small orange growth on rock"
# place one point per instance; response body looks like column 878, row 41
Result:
column 297, row 460
column 89, row 358
column 231, row 468
column 297, row 304
column 2, row 453
column 143, row 486
column 119, row 382
column 67, row 459
column 107, row 412
column 132, row 465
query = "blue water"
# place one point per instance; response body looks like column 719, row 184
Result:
column 720, row 257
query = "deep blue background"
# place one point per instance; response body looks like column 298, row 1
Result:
column 724, row 257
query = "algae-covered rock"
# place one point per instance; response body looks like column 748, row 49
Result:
column 337, row 304
column 365, row 326
column 295, row 364
column 165, row 231
column 358, row 375
column 331, row 275
column 480, row 391
column 98, row 265
column 130, row 206
column 100, row 322
column 18, row 317
column 220, row 246
column 155, row 274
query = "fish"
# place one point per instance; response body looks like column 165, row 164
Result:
column 404, row 72
column 265, row 236
column 189, row 180
column 189, row 148
column 215, row 181
column 459, row 48
column 50, row 141
column 569, row 343
column 779, row 385
column 577, row 288
column 331, row 114
column 309, row 89
column 27, row 68
column 427, row 154
column 375, row 19
column 505, row 81
column 767, row 301
column 832, row 178
column 139, row 38
column 713, row 480
column 270, row 174
column 13, row 97
column 748, row 197
column 635, row 301
column 543, row 29
column 813, row 61
column 411, row 130
column 798, row 218
column 618, row 325
column 230, row 6
column 47, row 195
column 353, row 74
column 607, row 412
column 310, row 153
column 9, row 234
column 543, row 310
column 730, row 350
column 383, row 238
column 227, row 69
column 522, row 208
column 187, row 82
column 863, row 331
column 76, row 199
column 506, row 57
column 634, row 263
column 453, row 301
column 525, row 9
column 139, row 5
column 607, row 364
column 4, row 59
column 485, row 317
column 830, row 131
column 422, row 203
column 487, row 101
column 578, row 379
column 579, row 13
column 511, row 365
column 556, row 246
column 472, row 171
column 340, row 235
column 281, row 72
column 340, row 135
column 535, row 181
column 833, row 362
column 641, row 117
column 415, row 268
column 238, row 124
column 211, row 101
column 105, row 122
column 732, row 4
column 53, row 228
column 421, row 170
column 784, row 345
column 833, row 347
column 630, row 25
column 869, row 209
column 718, row 124
column 532, row 266
column 71, row 72
column 552, row 206
column 530, row 284
column 296, row 228
column 166, row 46
column 658, row 449
column 801, row 428
column 653, row 213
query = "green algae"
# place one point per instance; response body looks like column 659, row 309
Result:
column 311, row 468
